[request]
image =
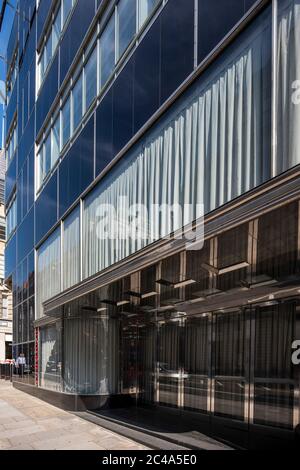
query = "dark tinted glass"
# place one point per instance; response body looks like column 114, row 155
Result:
column 30, row 179
column 123, row 108
column 11, row 108
column 177, row 45
column 146, row 77
column 77, row 28
column 215, row 20
column 46, row 209
column 25, row 236
column 104, row 132
column 26, row 142
column 10, row 256
column 42, row 13
column 47, row 94
column 10, row 178
column 76, row 171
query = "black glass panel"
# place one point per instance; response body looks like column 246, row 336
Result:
column 46, row 209
column 10, row 178
column 177, row 45
column 146, row 77
column 11, row 108
column 77, row 168
column 215, row 20
column 104, row 132
column 26, row 142
column 25, row 236
column 12, row 41
column 81, row 19
column 42, row 14
column 47, row 94
column 10, row 256
column 123, row 108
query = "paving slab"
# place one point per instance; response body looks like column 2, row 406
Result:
column 27, row 423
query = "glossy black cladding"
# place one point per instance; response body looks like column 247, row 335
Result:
column 215, row 20
column 10, row 256
column 25, row 236
column 76, row 171
column 81, row 19
column 177, row 45
column 47, row 94
column 42, row 14
column 104, row 132
column 123, row 108
column 46, row 209
column 146, row 77
column 10, row 178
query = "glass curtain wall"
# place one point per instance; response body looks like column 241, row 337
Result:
column 212, row 148
column 71, row 249
column 48, row 270
column 288, row 75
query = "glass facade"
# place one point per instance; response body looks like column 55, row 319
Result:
column 184, row 104
column 147, row 339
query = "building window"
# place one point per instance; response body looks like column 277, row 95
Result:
column 11, row 145
column 66, row 124
column 145, row 8
column 12, row 76
column 56, row 30
column 67, row 7
column 90, row 79
column 71, row 249
column 11, row 217
column 52, row 37
column 48, row 270
column 107, row 48
column 55, row 141
column 4, row 307
column 77, row 103
column 126, row 24
column 94, row 68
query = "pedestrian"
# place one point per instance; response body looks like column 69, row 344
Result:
column 21, row 364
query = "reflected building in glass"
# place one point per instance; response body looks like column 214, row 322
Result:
column 163, row 102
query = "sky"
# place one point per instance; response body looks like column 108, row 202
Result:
column 4, row 37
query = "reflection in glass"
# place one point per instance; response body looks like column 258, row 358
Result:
column 145, row 8
column 77, row 103
column 196, row 363
column 90, row 72
column 107, row 49
column 230, row 365
column 66, row 125
column 273, row 369
column 50, row 358
column 126, row 24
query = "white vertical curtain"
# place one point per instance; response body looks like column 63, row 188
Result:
column 212, row 147
column 71, row 249
column 50, row 358
column 48, row 270
column 91, row 354
column 288, row 74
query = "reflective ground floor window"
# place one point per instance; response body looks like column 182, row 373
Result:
column 234, row 364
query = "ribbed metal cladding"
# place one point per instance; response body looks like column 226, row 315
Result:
column 274, row 193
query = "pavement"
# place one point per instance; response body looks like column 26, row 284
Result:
column 27, row 423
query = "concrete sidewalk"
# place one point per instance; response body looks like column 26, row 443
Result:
column 27, row 423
